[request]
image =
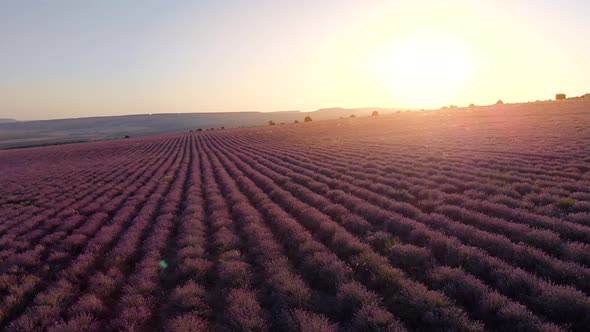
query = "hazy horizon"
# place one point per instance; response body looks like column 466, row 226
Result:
column 204, row 112
column 63, row 59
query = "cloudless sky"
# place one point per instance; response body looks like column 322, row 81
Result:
column 85, row 58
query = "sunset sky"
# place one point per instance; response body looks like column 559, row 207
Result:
column 85, row 58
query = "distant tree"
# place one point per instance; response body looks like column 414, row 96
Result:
column 444, row 108
column 127, row 136
column 199, row 129
column 500, row 102
column 453, row 106
column 560, row 96
column 307, row 119
column 282, row 123
column 222, row 127
column 296, row 121
column 375, row 113
column 352, row 116
column 471, row 105
column 271, row 123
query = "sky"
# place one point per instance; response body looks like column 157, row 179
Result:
column 61, row 59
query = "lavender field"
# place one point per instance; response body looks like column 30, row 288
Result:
column 461, row 220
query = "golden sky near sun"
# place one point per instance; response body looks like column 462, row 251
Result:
column 72, row 60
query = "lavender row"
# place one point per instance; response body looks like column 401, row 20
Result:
column 492, row 313
column 549, row 307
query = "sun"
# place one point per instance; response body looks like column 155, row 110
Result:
column 426, row 69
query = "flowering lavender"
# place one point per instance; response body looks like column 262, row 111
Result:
column 410, row 222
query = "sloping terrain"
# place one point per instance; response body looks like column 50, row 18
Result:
column 62, row 131
column 465, row 220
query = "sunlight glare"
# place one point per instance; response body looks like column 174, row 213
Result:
column 427, row 69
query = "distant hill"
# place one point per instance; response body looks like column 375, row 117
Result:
column 45, row 132
column 7, row 120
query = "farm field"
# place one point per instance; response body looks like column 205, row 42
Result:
column 463, row 220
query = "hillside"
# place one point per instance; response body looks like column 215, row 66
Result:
column 33, row 133
column 474, row 219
